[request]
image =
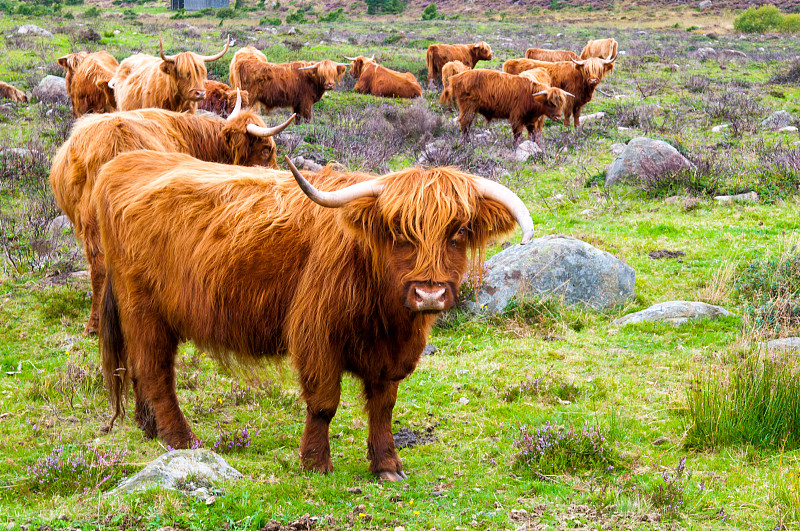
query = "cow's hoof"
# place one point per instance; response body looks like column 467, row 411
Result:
column 393, row 476
column 89, row 331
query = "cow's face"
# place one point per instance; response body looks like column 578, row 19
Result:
column 188, row 74
column 249, row 141
column 553, row 101
column 70, row 63
column 358, row 64
column 482, row 51
column 594, row 70
column 327, row 73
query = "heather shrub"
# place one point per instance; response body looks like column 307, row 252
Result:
column 70, row 470
column 792, row 75
column 552, row 449
column 770, row 289
column 233, row 441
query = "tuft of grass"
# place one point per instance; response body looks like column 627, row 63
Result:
column 553, row 449
column 786, row 495
column 770, row 289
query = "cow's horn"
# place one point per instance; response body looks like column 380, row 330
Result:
column 308, row 67
column 350, row 58
column 167, row 58
column 541, row 92
column 504, row 196
column 209, row 58
column 570, row 94
column 609, row 60
column 579, row 63
column 372, row 58
column 338, row 198
column 257, row 130
column 236, row 108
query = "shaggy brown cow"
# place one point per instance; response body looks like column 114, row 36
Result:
column 87, row 79
column 381, row 81
column 500, row 95
column 440, row 54
column 603, row 48
column 174, row 82
column 251, row 269
column 449, row 70
column 241, row 139
column 541, row 54
column 283, row 85
column 221, row 99
column 579, row 77
column 12, row 93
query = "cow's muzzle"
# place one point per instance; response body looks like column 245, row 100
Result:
column 199, row 95
column 330, row 86
column 429, row 297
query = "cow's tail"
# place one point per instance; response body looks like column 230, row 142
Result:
column 113, row 352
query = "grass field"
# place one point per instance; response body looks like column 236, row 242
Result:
column 478, row 401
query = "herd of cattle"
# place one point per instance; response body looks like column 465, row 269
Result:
column 192, row 232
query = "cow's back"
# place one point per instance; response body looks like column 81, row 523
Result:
column 541, row 54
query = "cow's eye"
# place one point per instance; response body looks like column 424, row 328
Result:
column 459, row 235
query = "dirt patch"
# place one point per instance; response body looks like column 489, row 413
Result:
column 663, row 253
column 303, row 523
column 406, row 438
column 584, row 517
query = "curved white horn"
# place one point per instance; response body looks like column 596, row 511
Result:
column 338, row 198
column 257, row 130
column 236, row 108
column 579, row 63
column 167, row 58
column 349, row 58
column 209, row 58
column 372, row 58
column 501, row 194
column 609, row 60
column 571, row 95
column 308, row 67
column 540, row 93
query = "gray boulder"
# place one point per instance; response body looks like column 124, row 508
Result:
column 777, row 120
column 52, row 89
column 173, row 468
column 704, row 4
column 747, row 197
column 59, row 225
column 705, row 53
column 787, row 344
column 555, row 266
column 674, row 312
column 645, row 157
column 617, row 148
column 33, row 29
column 526, row 150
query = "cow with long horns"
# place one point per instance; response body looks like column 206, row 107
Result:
column 172, row 82
column 274, row 85
column 499, row 95
column 252, row 269
column 222, row 99
column 242, row 139
column 87, row 80
column 579, row 77
column 439, row 55
column 381, row 81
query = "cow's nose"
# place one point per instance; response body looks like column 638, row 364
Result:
column 430, row 299
column 329, row 86
column 200, row 94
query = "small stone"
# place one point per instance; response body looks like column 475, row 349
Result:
column 747, row 197
column 704, row 4
column 210, row 500
column 621, row 129
column 719, row 128
column 787, row 129
column 51, row 89
column 587, row 212
column 59, row 225
column 292, row 31
column 117, row 32
column 437, row 494
column 429, row 350
column 705, row 53
column 399, row 528
column 617, row 148
column 645, row 157
column 777, row 120
column 463, row 400
column 592, row 117
column 673, row 312
column 33, row 29
column 526, row 150
column 788, row 344
column 354, row 490
column 661, row 440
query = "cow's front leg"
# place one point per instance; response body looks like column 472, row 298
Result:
column 322, row 401
column 384, row 461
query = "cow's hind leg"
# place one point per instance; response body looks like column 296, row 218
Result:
column 384, row 461
column 145, row 414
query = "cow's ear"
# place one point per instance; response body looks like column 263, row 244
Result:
column 167, row 67
column 492, row 220
column 362, row 218
column 341, row 69
column 64, row 62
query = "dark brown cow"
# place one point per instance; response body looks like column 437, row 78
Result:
column 283, row 85
column 221, row 99
column 252, row 269
column 603, row 48
column 579, row 77
column 241, row 139
column 12, row 93
column 380, row 81
column 87, row 79
column 440, row 54
column 449, row 70
column 541, row 54
column 173, row 82
column 500, row 95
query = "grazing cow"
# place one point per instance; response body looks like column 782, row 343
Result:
column 579, row 77
column 380, row 81
column 241, row 139
column 500, row 95
column 541, row 54
column 283, row 85
column 251, row 269
column 440, row 54
column 221, row 99
column 87, row 79
column 174, row 82
column 602, row 48
column 12, row 93
column 449, row 70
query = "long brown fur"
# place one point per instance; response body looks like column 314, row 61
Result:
column 78, row 161
column 240, row 262
column 449, row 70
column 380, row 81
column 439, row 55
column 579, row 80
column 603, row 48
column 542, row 54
column 283, row 85
column 87, row 80
column 12, row 93
column 500, row 95
column 221, row 99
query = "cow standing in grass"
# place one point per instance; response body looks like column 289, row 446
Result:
column 541, row 54
column 173, row 82
column 241, row 139
column 378, row 80
column 439, row 55
column 603, row 48
column 87, row 80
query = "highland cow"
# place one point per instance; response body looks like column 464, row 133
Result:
column 553, row 56
column 12, row 93
column 87, row 80
column 449, row 70
column 221, row 99
column 440, row 54
column 378, row 80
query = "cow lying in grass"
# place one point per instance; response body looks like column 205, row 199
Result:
column 378, row 80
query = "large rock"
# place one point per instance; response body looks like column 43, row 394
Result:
column 787, row 344
column 747, row 197
column 52, row 89
column 645, row 157
column 33, row 29
column 526, row 150
column 555, row 266
column 674, row 312
column 705, row 53
column 173, row 468
column 777, row 120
